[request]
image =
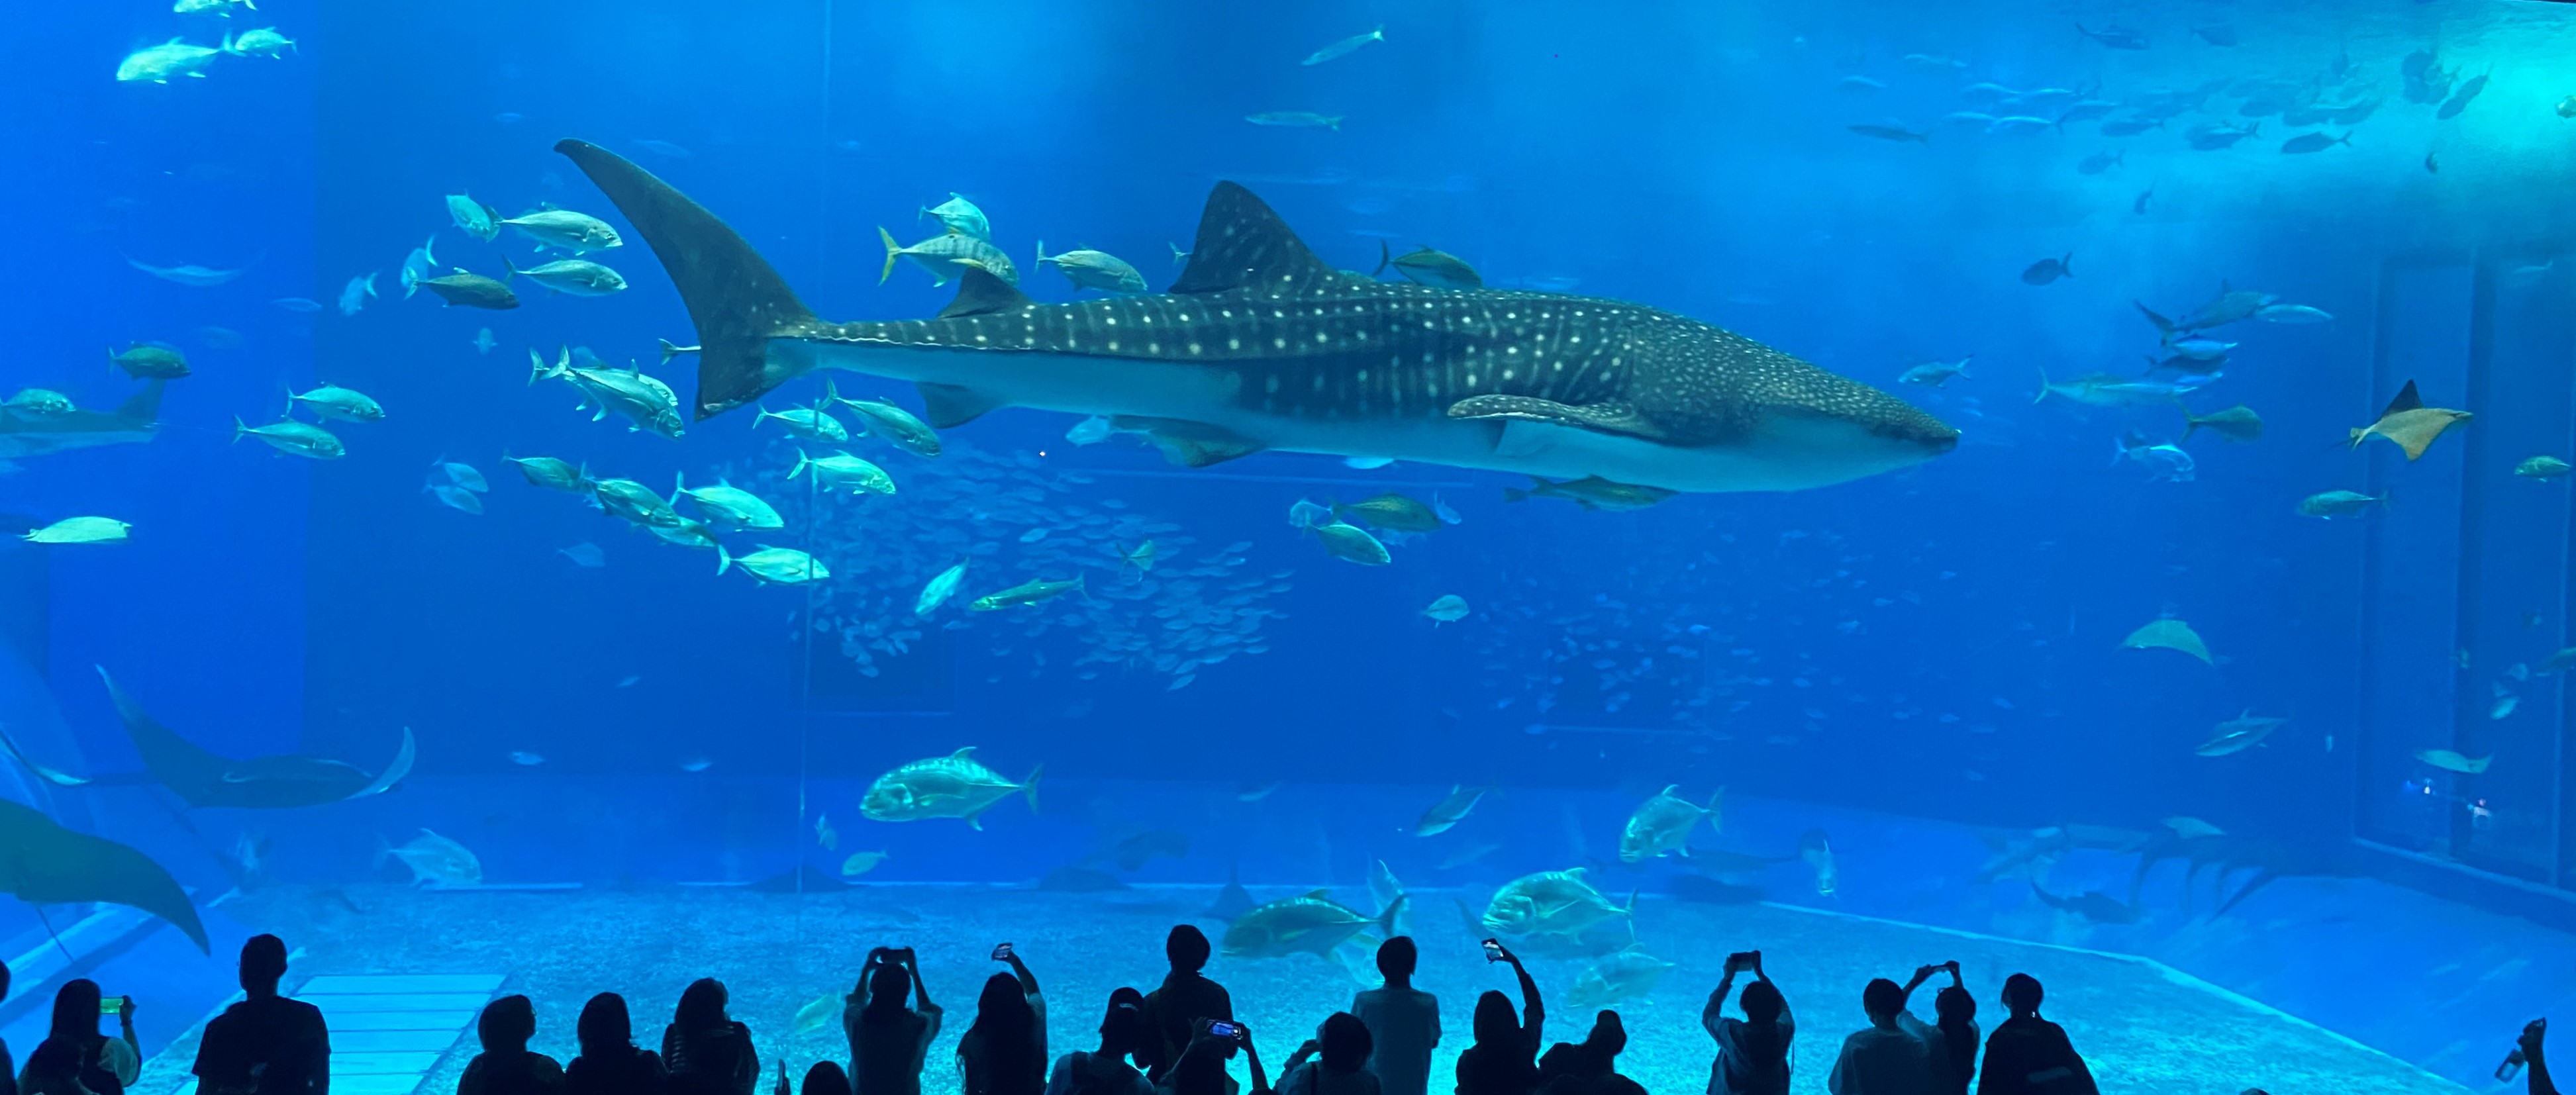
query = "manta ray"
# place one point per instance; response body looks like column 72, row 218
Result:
column 203, row 779
column 42, row 863
column 1260, row 345
column 131, row 423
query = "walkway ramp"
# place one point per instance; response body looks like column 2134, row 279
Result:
column 388, row 1030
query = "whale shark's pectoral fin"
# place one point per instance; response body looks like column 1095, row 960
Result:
column 946, row 405
column 1189, row 444
column 1620, row 419
column 43, row 863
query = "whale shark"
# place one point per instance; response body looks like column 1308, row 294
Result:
column 131, row 423
column 204, row 779
column 1259, row 345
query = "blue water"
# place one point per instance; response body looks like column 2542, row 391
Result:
column 1941, row 642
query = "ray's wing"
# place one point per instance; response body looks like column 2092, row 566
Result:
column 43, row 863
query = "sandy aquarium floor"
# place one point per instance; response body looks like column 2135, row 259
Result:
column 2144, row 1029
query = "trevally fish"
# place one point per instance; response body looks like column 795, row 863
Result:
column 150, row 360
column 729, row 507
column 1220, row 367
column 945, row 257
column 477, row 219
column 471, row 290
column 770, row 565
column 840, row 470
column 1625, row 974
column 258, row 42
column 647, row 403
column 1310, row 923
column 344, row 404
column 810, row 423
column 1662, row 825
column 355, row 295
column 961, row 215
column 1088, row 269
column 635, row 502
column 552, row 473
column 169, row 60
column 1551, row 903
column 880, row 418
column 79, row 530
column 939, row 589
column 2328, row 505
column 293, row 437
column 421, row 263
column 1424, row 266
column 1450, row 810
column 956, row 785
column 436, row 862
column 572, row 277
column 1935, row 373
column 2165, row 461
column 565, row 230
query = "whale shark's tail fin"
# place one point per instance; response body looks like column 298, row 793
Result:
column 737, row 300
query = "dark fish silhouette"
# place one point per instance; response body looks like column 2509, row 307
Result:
column 1261, row 345
column 42, row 863
column 1233, row 900
column 203, row 779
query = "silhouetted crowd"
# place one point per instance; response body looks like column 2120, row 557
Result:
column 1175, row 1040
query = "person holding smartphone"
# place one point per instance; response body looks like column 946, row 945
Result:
column 1752, row 1052
column 74, row 1058
column 1504, row 1060
column 889, row 1040
column 1005, row 1051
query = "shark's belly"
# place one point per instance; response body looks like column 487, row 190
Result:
column 1788, row 453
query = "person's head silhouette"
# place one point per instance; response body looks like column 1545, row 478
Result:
column 1762, row 1003
column 1882, row 1000
column 1187, row 948
column 1496, row 1022
column 702, row 1006
column 604, row 1026
column 887, row 988
column 1344, row 1042
column 825, row 1078
column 263, row 964
column 1955, row 1006
column 2022, row 995
column 1396, row 958
column 507, row 1024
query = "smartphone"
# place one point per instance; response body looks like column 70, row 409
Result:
column 1002, row 952
column 1493, row 951
column 1226, row 1030
column 1738, row 961
column 2511, row 1067
column 111, row 1005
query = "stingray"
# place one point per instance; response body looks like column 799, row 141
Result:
column 42, row 863
column 2410, row 424
column 203, row 779
column 2171, row 635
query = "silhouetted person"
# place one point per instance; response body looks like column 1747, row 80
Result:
column 507, row 1066
column 266, row 1044
column 1340, row 1052
column 1752, row 1052
column 704, row 1051
column 1895, row 1054
column 1403, row 1022
column 825, row 1078
column 2028, row 1055
column 1185, row 998
column 1105, row 1071
column 1589, row 1061
column 1955, row 1018
column 2533, row 1033
column 1504, row 1060
column 1199, row 1069
column 610, row 1062
column 1004, row 1052
column 888, row 1039
column 74, row 1058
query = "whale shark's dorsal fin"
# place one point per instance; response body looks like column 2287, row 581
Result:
column 981, row 293
column 1241, row 244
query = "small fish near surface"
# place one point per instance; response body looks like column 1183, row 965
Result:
column 1424, row 266
column 2048, row 270
column 1594, row 493
column 2313, row 142
column 2168, row 634
column 1030, row 592
column 165, row 62
column 2450, row 761
column 953, row 786
column 1936, row 373
column 771, row 565
column 1891, row 133
column 2409, row 424
column 1296, row 119
column 1662, row 825
column 2328, row 505
column 2542, row 467
column 2237, row 423
column 470, row 290
column 2238, row 734
column 1345, row 47
column 79, row 530
column 1452, row 808
column 2115, row 37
